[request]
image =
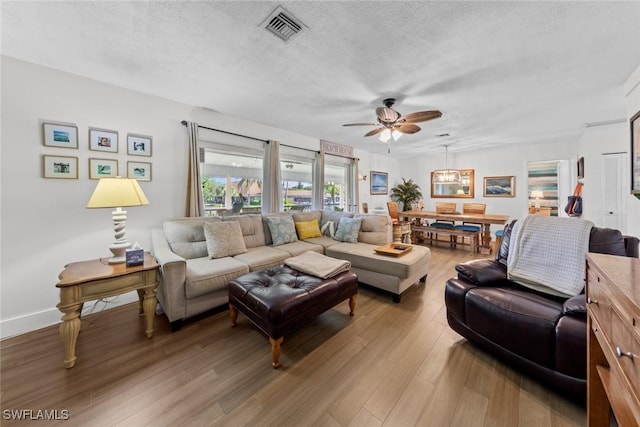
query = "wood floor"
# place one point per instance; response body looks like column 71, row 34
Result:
column 389, row 365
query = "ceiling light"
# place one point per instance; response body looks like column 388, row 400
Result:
column 385, row 135
column 396, row 134
column 448, row 176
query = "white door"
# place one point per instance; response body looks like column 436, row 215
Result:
column 614, row 187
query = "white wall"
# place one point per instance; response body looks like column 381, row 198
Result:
column 44, row 223
column 632, row 95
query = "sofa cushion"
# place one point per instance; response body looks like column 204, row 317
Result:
column 282, row 229
column 262, row 257
column 300, row 247
column 375, row 229
column 224, row 239
column 308, row 216
column 307, row 229
column 348, row 230
column 323, row 241
column 252, row 229
column 205, row 275
column 363, row 256
column 186, row 236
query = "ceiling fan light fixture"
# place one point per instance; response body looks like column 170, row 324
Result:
column 396, row 134
column 385, row 135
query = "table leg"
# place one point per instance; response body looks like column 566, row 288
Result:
column 149, row 307
column 69, row 330
column 275, row 351
column 140, row 299
column 352, row 304
column 486, row 236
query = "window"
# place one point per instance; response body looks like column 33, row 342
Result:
column 336, row 172
column 231, row 180
column 296, row 171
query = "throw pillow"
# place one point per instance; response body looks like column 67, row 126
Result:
column 224, row 239
column 282, row 229
column 308, row 229
column 348, row 230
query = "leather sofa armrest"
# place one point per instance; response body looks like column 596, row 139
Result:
column 482, row 271
column 575, row 306
column 631, row 246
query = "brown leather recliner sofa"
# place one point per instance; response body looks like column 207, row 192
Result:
column 543, row 336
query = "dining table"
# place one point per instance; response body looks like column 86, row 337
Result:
column 486, row 220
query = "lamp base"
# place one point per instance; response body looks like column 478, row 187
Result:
column 119, row 251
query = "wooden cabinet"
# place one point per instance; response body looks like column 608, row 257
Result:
column 613, row 341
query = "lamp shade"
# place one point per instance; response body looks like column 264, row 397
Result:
column 117, row 192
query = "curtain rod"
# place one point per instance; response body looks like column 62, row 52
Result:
column 184, row 123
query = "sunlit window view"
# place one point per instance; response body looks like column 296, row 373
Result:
column 297, row 185
column 335, row 185
column 231, row 183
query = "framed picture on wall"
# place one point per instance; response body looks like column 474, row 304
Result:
column 499, row 186
column 103, row 168
column 103, row 140
column 379, row 183
column 635, row 154
column 59, row 135
column 139, row 170
column 138, row 145
column 60, row 167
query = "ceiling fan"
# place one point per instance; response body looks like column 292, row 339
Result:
column 394, row 123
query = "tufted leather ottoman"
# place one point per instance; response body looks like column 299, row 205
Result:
column 277, row 300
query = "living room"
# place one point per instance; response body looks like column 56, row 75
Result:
column 46, row 220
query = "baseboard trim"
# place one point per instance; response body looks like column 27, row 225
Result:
column 41, row 319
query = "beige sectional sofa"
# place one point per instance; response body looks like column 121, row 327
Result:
column 191, row 282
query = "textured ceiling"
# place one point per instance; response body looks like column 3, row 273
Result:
column 500, row 72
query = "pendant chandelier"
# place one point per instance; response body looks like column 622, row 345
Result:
column 446, row 176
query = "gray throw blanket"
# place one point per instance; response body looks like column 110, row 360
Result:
column 548, row 254
column 318, row 265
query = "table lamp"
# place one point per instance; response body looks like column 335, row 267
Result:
column 118, row 193
column 537, row 194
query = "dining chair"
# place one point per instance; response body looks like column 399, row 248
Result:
column 472, row 208
column 444, row 208
column 392, row 207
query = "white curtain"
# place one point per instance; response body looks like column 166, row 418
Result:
column 318, row 181
column 352, row 186
column 271, row 179
column 195, row 203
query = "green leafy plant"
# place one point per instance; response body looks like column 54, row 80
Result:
column 407, row 192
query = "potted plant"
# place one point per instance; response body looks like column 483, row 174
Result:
column 407, row 192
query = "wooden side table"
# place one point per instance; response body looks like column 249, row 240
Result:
column 402, row 232
column 89, row 280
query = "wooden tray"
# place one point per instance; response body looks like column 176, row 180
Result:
column 394, row 249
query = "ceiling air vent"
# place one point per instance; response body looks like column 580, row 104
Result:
column 283, row 24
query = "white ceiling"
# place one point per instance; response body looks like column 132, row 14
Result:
column 500, row 72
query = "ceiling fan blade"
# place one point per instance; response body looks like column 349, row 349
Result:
column 408, row 128
column 387, row 115
column 360, row 124
column 374, row 132
column 422, row 116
